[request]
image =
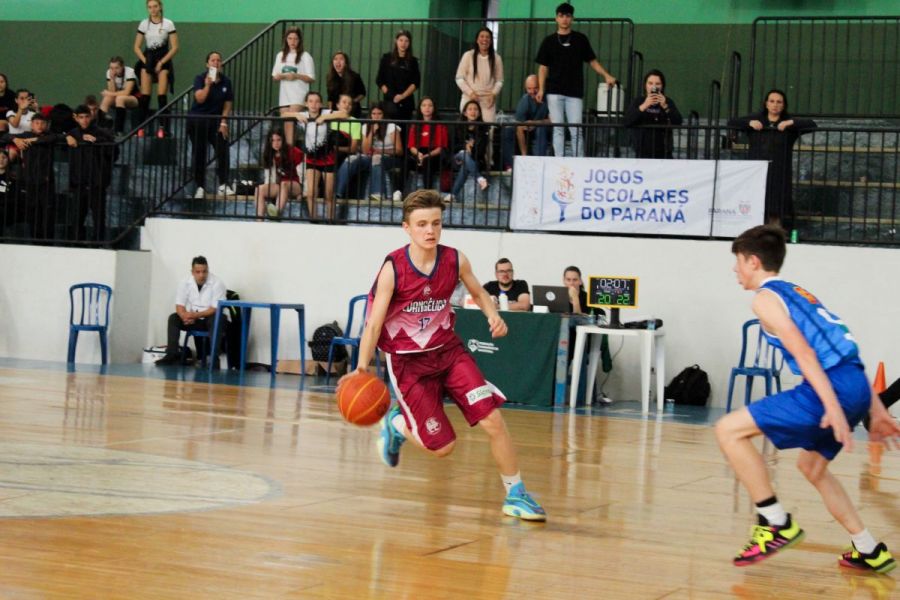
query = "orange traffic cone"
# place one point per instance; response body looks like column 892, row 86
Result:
column 876, row 449
column 879, row 384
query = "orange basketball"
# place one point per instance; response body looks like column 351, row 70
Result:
column 363, row 399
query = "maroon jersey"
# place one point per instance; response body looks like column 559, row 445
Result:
column 419, row 316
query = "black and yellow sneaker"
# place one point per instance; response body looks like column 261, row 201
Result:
column 767, row 540
column 880, row 560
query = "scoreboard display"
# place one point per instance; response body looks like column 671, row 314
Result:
column 605, row 291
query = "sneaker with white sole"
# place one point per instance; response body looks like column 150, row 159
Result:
column 199, row 193
column 519, row 503
column 398, row 196
column 448, row 198
column 227, row 190
column 482, row 183
column 375, row 197
column 389, row 439
column 271, row 210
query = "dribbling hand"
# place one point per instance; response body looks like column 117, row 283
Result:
column 350, row 374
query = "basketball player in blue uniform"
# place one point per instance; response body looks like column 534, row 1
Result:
column 817, row 416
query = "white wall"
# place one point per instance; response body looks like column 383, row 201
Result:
column 689, row 284
column 34, row 301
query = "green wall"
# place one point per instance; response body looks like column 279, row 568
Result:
column 700, row 11
column 204, row 11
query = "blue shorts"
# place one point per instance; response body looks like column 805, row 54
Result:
column 791, row 419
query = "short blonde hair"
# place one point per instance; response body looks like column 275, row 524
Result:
column 422, row 199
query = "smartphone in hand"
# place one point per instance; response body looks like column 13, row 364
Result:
column 213, row 72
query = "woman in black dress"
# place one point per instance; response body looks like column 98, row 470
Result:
column 398, row 78
column 771, row 134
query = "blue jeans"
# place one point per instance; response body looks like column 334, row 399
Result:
column 467, row 166
column 349, row 168
column 566, row 109
column 362, row 164
column 540, row 137
column 378, row 181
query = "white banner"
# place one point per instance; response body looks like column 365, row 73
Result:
column 630, row 195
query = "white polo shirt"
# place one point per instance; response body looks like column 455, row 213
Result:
column 196, row 300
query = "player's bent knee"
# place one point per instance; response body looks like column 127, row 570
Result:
column 445, row 450
column 812, row 466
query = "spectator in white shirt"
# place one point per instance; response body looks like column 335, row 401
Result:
column 195, row 309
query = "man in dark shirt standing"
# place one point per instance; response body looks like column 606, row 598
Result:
column 561, row 77
column 515, row 290
column 90, row 171
column 213, row 97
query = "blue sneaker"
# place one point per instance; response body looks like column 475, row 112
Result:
column 390, row 440
column 519, row 503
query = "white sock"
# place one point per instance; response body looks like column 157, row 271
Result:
column 510, row 480
column 774, row 514
column 864, row 541
column 399, row 424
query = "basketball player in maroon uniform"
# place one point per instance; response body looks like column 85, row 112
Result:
column 410, row 319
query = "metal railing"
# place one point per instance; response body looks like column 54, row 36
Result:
column 843, row 181
column 829, row 66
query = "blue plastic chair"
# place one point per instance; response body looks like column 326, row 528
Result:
column 88, row 311
column 351, row 338
column 767, row 363
column 201, row 347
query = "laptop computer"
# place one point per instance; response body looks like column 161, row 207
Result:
column 554, row 297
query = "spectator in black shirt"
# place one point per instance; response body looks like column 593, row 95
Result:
column 561, row 77
column 344, row 80
column 653, row 108
column 772, row 133
column 7, row 100
column 36, row 154
column 516, row 290
column 90, row 171
column 213, row 97
column 398, row 78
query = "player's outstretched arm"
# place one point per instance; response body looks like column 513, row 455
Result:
column 882, row 426
column 775, row 319
column 384, row 290
column 481, row 297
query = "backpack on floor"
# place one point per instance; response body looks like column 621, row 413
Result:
column 321, row 340
column 691, row 386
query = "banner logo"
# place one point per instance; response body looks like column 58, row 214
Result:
column 565, row 191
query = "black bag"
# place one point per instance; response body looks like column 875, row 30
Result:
column 691, row 386
column 321, row 340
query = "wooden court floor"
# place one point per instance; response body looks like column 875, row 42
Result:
column 129, row 487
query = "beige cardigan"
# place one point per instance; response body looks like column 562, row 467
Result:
column 469, row 84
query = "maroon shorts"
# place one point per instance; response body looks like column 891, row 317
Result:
column 421, row 380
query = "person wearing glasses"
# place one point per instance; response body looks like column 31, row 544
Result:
column 515, row 290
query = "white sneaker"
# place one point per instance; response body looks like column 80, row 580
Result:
column 199, row 194
column 271, row 210
column 398, row 196
column 482, row 183
column 375, row 197
column 227, row 190
column 448, row 198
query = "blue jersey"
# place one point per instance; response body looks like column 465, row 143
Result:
column 824, row 331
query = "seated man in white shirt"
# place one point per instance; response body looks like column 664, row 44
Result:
column 195, row 309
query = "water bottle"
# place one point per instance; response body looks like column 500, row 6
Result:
column 794, row 236
column 504, row 301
